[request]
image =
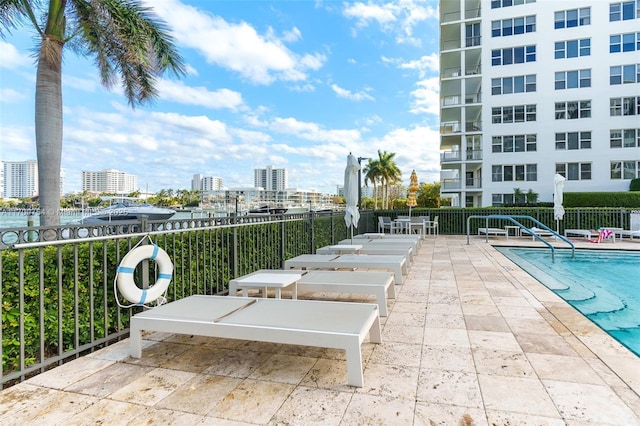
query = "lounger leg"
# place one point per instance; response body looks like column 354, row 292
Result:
column 382, row 301
column 391, row 291
column 375, row 335
column 355, row 376
column 135, row 340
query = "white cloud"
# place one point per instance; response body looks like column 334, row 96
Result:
column 259, row 58
column 11, row 58
column 400, row 16
column 423, row 64
column 312, row 131
column 347, row 94
column 365, row 13
column 84, row 84
column 177, row 91
column 11, row 96
column 426, row 98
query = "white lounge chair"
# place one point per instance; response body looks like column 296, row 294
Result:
column 339, row 325
column 394, row 263
column 377, row 249
column 539, row 232
column 379, row 284
column 412, row 240
column 493, row 231
column 580, row 233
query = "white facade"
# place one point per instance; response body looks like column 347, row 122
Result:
column 110, row 181
column 20, row 179
column 528, row 89
column 206, row 184
column 271, row 179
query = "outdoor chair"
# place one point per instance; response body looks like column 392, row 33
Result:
column 432, row 226
column 384, row 223
column 418, row 226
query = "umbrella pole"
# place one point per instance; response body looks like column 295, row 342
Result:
column 351, row 227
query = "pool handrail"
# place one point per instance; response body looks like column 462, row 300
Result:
column 513, row 220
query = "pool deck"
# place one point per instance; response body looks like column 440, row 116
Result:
column 470, row 339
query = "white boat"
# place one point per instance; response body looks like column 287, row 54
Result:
column 128, row 211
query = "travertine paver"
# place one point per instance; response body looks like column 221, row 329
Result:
column 469, row 337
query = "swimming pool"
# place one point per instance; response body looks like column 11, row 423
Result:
column 604, row 285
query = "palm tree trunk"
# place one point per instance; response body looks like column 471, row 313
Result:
column 48, row 126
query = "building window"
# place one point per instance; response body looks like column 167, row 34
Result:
column 573, row 79
column 625, row 169
column 574, row 171
column 513, row 55
column 572, row 18
column 624, row 106
column 624, row 10
column 514, row 143
column 517, row 84
column 624, row 42
column 624, row 138
column 572, row 110
column 518, row 172
column 472, row 35
column 513, row 114
column 573, row 140
column 624, row 74
column 495, row 4
column 572, row 48
column 515, row 26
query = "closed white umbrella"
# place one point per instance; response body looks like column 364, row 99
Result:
column 558, row 209
column 351, row 213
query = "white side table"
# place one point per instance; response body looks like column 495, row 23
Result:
column 265, row 281
column 516, row 230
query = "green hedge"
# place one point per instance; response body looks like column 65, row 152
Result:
column 601, row 199
column 82, row 308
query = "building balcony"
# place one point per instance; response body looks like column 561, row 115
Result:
column 450, row 44
column 449, row 127
column 473, row 126
column 450, row 185
column 452, row 100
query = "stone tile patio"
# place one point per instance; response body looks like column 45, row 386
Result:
column 470, row 339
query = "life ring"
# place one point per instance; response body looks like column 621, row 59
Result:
column 127, row 285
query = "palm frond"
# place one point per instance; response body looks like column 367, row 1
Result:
column 13, row 13
column 128, row 41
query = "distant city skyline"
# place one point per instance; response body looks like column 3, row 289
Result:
column 275, row 88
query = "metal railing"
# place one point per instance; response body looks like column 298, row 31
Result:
column 59, row 300
column 530, row 231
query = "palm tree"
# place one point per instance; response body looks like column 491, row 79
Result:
column 389, row 173
column 372, row 174
column 127, row 41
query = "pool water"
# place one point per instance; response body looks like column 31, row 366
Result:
column 604, row 285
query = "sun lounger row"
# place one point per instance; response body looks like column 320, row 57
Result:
column 340, row 325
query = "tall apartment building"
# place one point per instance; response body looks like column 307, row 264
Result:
column 206, row 184
column 110, row 181
column 20, row 179
column 271, row 179
column 532, row 88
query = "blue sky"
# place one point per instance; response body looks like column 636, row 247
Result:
column 292, row 84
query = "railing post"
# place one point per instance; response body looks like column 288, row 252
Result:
column 313, row 237
column 282, row 245
column 235, row 251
